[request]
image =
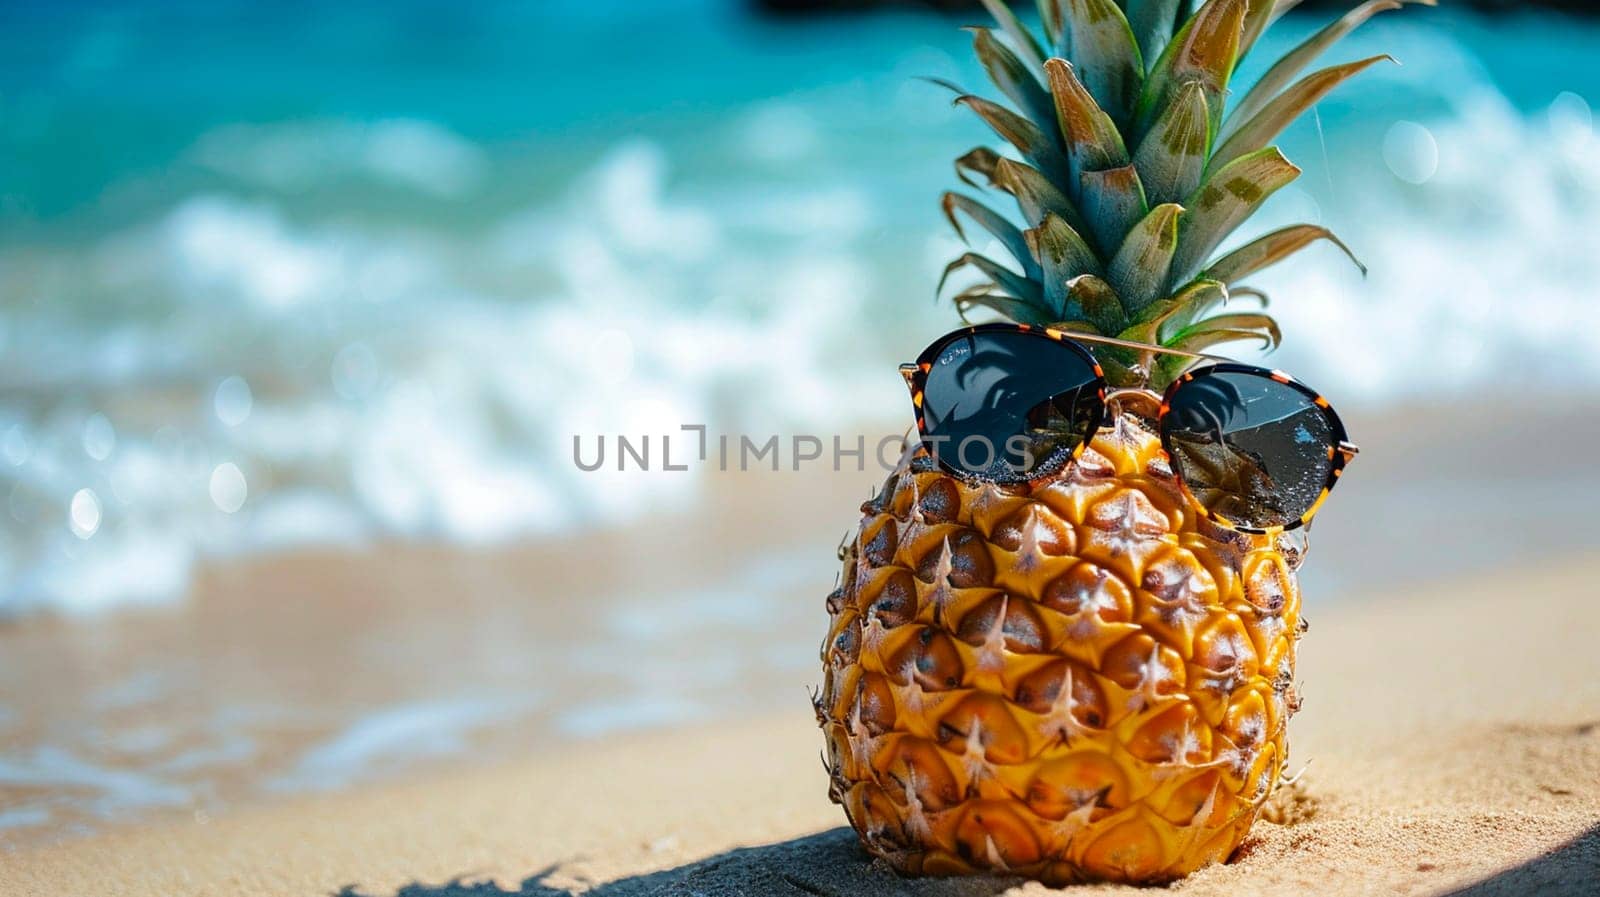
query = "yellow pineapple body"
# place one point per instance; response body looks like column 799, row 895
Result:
column 1081, row 679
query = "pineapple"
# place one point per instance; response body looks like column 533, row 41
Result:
column 1083, row 678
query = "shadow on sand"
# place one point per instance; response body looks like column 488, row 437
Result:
column 1572, row 868
column 832, row 864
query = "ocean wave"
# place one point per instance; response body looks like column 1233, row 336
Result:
column 333, row 331
column 283, row 384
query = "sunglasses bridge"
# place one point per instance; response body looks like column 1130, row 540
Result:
column 1133, row 396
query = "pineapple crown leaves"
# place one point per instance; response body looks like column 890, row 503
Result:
column 1133, row 162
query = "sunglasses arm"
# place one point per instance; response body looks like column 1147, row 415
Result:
column 909, row 371
column 1143, row 347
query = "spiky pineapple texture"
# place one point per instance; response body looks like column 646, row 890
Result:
column 1134, row 163
column 1084, row 680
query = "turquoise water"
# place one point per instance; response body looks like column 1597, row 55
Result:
column 312, row 275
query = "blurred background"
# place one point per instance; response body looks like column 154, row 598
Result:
column 301, row 306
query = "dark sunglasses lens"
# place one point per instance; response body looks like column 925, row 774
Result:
column 1008, row 406
column 1250, row 449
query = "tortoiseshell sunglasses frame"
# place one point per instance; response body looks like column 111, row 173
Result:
column 1340, row 453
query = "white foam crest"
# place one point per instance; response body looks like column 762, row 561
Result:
column 138, row 564
column 418, row 155
column 215, row 249
column 116, row 791
column 226, row 247
column 638, row 711
column 396, row 735
column 1480, row 275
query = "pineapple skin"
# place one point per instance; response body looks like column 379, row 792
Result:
column 1078, row 680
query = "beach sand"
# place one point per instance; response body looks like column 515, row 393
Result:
column 1453, row 735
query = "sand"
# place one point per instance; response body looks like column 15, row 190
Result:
column 1453, row 735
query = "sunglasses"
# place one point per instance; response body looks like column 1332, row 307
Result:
column 1255, row 449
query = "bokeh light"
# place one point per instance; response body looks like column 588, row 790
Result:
column 83, row 514
column 99, row 437
column 1410, row 151
column 233, row 401
column 228, row 487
